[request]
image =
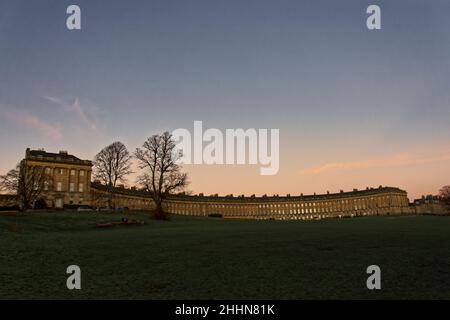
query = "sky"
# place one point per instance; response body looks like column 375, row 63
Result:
column 355, row 107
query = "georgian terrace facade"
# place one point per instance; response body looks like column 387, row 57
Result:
column 70, row 185
column 69, row 180
column 369, row 202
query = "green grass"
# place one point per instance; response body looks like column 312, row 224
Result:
column 199, row 258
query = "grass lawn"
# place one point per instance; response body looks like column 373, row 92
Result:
column 199, row 258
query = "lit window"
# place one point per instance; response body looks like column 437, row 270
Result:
column 61, row 171
column 72, row 172
column 80, row 187
column 47, row 170
column 81, row 173
column 71, row 187
column 45, row 185
column 59, row 186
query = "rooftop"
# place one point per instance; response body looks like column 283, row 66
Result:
column 342, row 194
column 61, row 156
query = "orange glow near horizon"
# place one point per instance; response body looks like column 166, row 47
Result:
column 419, row 170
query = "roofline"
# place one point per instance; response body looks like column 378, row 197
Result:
column 74, row 162
column 325, row 196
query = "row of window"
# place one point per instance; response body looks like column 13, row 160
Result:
column 311, row 207
column 71, row 187
column 62, row 171
column 357, row 203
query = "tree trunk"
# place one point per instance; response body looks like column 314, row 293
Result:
column 109, row 200
column 110, row 196
column 159, row 213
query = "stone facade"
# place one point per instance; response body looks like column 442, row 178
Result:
column 70, row 184
column 70, row 177
column 432, row 205
column 370, row 202
column 122, row 197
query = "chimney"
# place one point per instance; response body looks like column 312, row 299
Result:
column 64, row 152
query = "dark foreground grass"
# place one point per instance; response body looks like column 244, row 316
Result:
column 198, row 258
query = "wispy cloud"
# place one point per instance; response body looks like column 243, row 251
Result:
column 76, row 108
column 396, row 160
column 33, row 122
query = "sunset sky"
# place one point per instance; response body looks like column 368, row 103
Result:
column 354, row 107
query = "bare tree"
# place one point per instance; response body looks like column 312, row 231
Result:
column 445, row 193
column 162, row 175
column 28, row 182
column 112, row 165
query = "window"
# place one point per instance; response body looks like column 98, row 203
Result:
column 72, row 172
column 46, row 185
column 80, row 187
column 59, row 186
column 71, row 187
column 47, row 170
column 81, row 173
column 58, row 203
column 61, row 171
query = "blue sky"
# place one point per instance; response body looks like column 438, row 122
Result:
column 339, row 93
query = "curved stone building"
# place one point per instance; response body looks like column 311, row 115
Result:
column 369, row 202
column 121, row 197
column 70, row 185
